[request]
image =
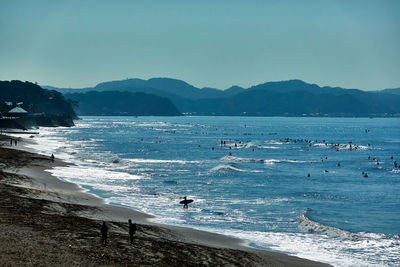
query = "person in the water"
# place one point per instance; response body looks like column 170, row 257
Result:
column 185, row 204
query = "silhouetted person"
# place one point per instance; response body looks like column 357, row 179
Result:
column 338, row 164
column 15, row 142
column 104, row 231
column 185, row 205
column 308, row 175
column 11, row 142
column 365, row 175
column 132, row 229
column 52, row 158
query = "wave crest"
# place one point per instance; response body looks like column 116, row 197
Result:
column 225, row 168
column 312, row 227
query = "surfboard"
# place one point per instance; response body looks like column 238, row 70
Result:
column 187, row 201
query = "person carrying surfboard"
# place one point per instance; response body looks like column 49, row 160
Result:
column 185, row 202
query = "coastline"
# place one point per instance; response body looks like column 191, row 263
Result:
column 25, row 177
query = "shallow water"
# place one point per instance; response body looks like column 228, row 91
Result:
column 260, row 192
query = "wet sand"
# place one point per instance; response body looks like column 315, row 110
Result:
column 45, row 221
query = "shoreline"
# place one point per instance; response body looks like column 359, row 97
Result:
column 60, row 193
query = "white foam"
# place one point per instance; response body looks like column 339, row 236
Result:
column 341, row 146
column 274, row 142
column 307, row 225
column 237, row 159
column 226, row 167
column 139, row 160
column 266, row 161
column 338, row 252
column 92, row 175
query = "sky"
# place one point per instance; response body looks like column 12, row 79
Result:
column 208, row 43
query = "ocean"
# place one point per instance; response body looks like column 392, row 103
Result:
column 324, row 189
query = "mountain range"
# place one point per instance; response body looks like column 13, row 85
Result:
column 283, row 98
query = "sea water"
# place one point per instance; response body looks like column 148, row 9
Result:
column 248, row 178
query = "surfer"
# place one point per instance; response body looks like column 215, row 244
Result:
column 185, row 202
column 104, row 231
column 185, row 205
column 52, row 158
column 132, row 229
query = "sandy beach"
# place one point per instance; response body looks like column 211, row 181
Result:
column 48, row 222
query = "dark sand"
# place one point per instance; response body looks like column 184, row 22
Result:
column 48, row 222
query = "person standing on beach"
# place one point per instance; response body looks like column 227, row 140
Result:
column 132, row 229
column 104, row 232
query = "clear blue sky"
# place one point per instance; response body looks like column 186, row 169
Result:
column 353, row 44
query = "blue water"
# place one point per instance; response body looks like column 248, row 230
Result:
column 260, row 192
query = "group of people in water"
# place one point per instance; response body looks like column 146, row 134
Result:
column 376, row 160
column 335, row 146
column 104, row 232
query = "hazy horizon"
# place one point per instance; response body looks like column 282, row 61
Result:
column 74, row 44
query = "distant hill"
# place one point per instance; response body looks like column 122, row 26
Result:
column 395, row 91
column 296, row 103
column 35, row 99
column 166, row 86
column 116, row 103
column 283, row 98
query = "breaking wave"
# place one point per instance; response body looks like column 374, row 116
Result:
column 312, row 227
column 266, row 161
column 225, row 168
